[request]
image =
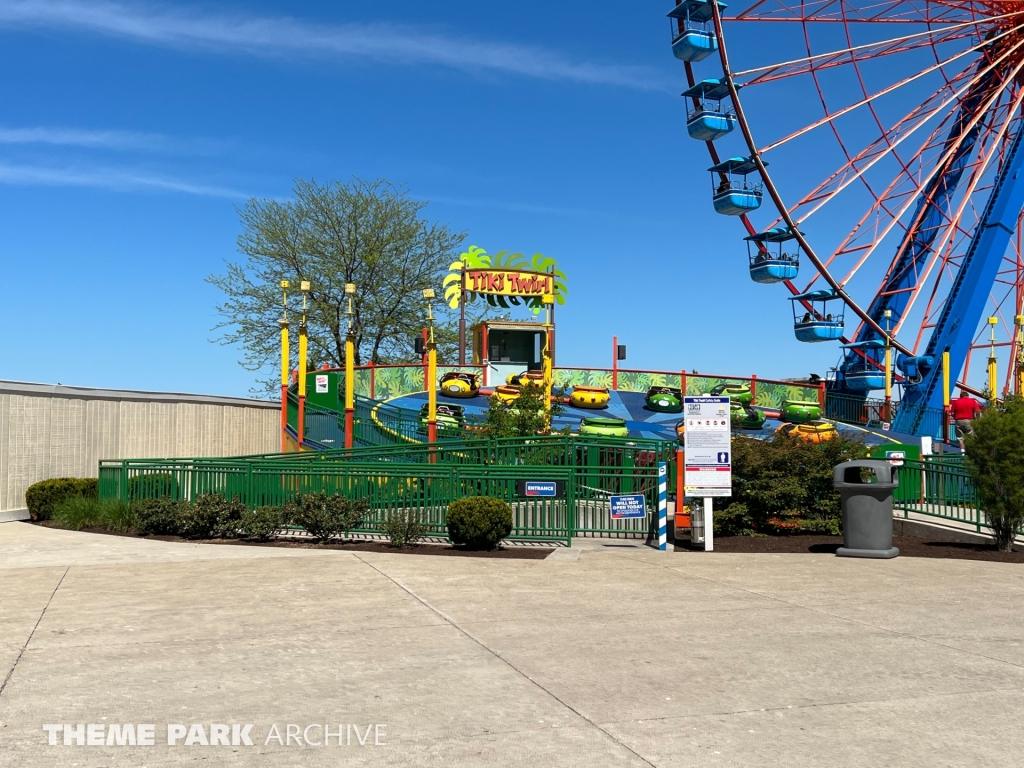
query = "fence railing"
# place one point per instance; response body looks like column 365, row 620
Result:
column 388, row 487
column 941, row 488
column 869, row 412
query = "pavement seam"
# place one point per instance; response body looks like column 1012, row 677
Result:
column 506, row 662
column 10, row 673
column 849, row 619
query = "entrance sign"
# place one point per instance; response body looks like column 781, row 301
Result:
column 708, row 444
column 628, row 507
column 540, row 489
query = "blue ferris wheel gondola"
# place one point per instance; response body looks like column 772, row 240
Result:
column 708, row 120
column 691, row 38
column 817, row 323
column 864, row 370
column 733, row 194
column 771, row 260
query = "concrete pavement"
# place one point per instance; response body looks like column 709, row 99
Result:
column 617, row 658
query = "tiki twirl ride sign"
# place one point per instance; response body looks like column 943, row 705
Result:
column 500, row 282
column 503, row 280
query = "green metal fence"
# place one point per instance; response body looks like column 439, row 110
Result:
column 390, row 486
column 939, row 488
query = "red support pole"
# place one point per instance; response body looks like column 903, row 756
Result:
column 753, row 389
column 682, row 520
column 615, row 363
column 682, row 382
column 349, row 425
column 373, row 381
column 821, row 395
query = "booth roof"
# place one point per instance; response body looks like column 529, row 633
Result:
column 510, row 325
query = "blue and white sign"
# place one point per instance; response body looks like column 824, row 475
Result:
column 628, row 507
column 547, row 488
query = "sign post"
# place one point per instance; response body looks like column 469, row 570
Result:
column 708, row 454
column 663, row 506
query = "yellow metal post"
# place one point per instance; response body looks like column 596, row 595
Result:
column 1019, row 382
column 350, row 369
column 992, row 364
column 285, row 360
column 945, row 393
column 303, row 347
column 888, row 366
column 431, row 383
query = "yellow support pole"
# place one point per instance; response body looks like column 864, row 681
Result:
column 1019, row 383
column 431, row 383
column 549, row 374
column 285, row 360
column 303, row 347
column 992, row 363
column 945, row 391
column 888, row 368
column 350, row 370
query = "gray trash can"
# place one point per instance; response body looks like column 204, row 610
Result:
column 866, row 489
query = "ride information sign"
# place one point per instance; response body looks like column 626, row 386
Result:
column 708, row 444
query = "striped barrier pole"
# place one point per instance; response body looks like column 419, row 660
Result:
column 663, row 506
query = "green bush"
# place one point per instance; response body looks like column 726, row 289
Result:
column 785, row 485
column 152, row 486
column 522, row 417
column 41, row 498
column 158, row 517
column 261, row 523
column 405, row 527
column 479, row 522
column 211, row 515
column 79, row 512
column 995, row 459
column 325, row 517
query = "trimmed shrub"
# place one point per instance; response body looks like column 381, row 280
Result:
column 261, row 523
column 404, row 528
column 158, row 517
column 479, row 522
column 325, row 517
column 211, row 516
column 80, row 512
column 41, row 498
column 152, row 486
column 995, row 459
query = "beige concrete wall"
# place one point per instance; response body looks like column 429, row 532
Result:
column 57, row 431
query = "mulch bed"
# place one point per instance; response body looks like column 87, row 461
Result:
column 353, row 545
column 909, row 546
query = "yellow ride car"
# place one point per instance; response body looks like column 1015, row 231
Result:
column 816, row 432
column 589, row 397
column 459, row 384
column 520, row 379
column 507, row 393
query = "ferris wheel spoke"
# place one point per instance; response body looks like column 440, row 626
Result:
column 927, row 39
column 857, row 167
column 831, row 117
column 938, row 166
column 829, row 11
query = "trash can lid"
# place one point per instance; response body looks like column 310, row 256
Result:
column 849, row 474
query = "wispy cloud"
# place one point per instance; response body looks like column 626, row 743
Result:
column 115, row 179
column 178, row 28
column 73, row 137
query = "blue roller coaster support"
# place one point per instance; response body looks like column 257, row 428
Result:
column 966, row 302
column 933, row 211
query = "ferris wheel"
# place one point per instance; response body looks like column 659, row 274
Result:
column 892, row 207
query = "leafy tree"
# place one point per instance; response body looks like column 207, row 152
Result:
column 522, row 417
column 995, row 458
column 365, row 232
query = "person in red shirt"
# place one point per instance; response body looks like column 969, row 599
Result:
column 964, row 410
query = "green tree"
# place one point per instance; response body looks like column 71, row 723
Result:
column 522, row 417
column 365, row 232
column 995, row 458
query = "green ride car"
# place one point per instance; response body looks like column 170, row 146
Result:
column 745, row 418
column 738, row 393
column 603, row 427
column 800, row 411
column 450, row 418
column 664, row 399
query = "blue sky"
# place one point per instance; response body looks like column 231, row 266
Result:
column 131, row 131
